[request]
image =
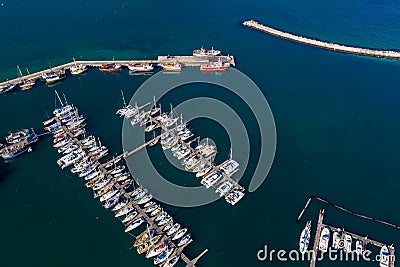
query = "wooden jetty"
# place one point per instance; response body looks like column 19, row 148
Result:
column 190, row 61
column 193, row 152
column 317, row 237
column 149, row 220
column 364, row 239
column 322, row 44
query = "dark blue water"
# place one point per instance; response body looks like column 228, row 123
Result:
column 336, row 117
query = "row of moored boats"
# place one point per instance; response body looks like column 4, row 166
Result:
column 178, row 138
column 113, row 185
column 18, row 143
column 56, row 75
column 340, row 240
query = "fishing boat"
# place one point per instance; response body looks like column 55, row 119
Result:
column 184, row 240
column 179, row 234
column 140, row 67
column 336, row 237
column 347, row 243
column 203, row 52
column 16, row 137
column 56, row 76
column 14, row 151
column 110, row 68
column 78, row 68
column 384, row 257
column 324, row 240
column 215, row 66
column 305, row 238
column 171, row 67
column 164, row 255
column 359, row 247
column 7, row 88
column 25, row 84
column 135, row 224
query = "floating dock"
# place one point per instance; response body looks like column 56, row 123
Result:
column 189, row 61
column 236, row 189
column 114, row 184
column 323, row 44
column 364, row 239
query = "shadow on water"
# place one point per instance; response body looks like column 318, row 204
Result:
column 4, row 171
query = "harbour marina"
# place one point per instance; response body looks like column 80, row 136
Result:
column 116, row 189
column 166, row 63
column 342, row 240
column 178, row 138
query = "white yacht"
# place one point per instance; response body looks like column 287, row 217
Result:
column 347, row 243
column 336, row 239
column 135, row 224
column 305, row 238
column 179, row 234
column 324, row 240
column 224, row 188
column 384, row 257
column 173, row 229
column 229, row 166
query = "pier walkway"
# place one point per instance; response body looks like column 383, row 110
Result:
column 190, row 61
column 323, row 44
column 364, row 239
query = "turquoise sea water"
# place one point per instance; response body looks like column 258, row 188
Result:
column 336, row 117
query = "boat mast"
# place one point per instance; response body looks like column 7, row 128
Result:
column 59, row 99
column 66, row 102
column 27, row 70
column 123, row 98
column 74, row 61
column 19, row 70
